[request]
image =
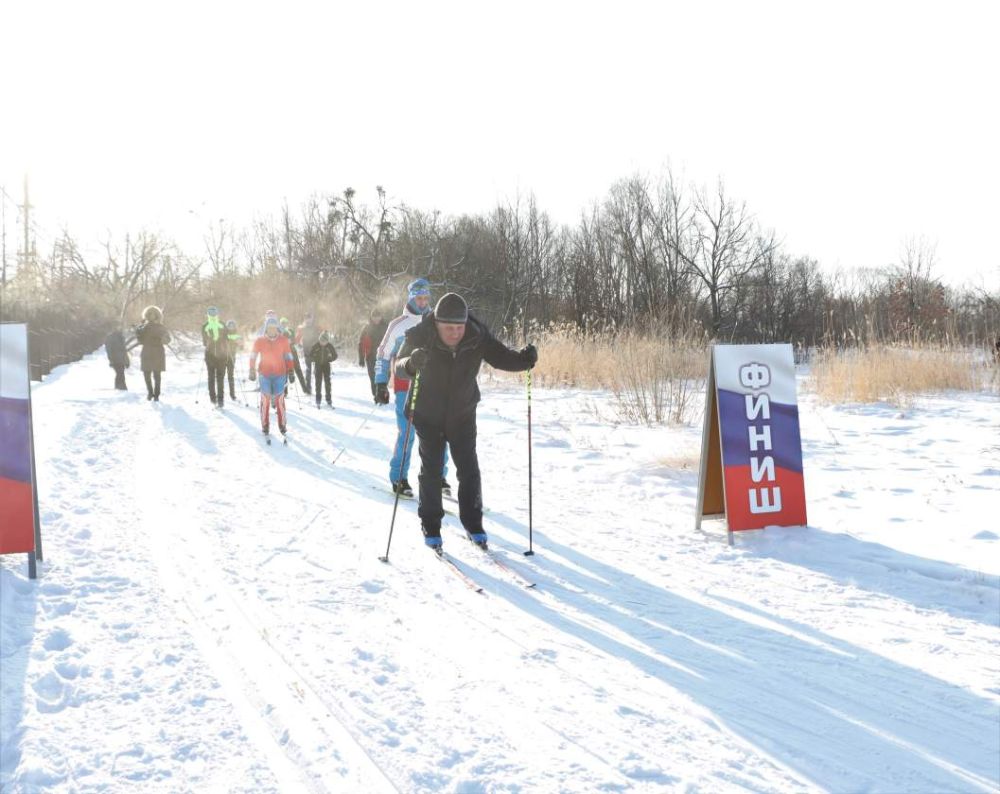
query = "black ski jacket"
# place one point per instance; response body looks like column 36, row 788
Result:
column 323, row 355
column 448, row 391
column 114, row 345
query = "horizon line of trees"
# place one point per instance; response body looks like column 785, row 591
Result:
column 653, row 255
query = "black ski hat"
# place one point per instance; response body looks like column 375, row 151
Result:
column 452, row 308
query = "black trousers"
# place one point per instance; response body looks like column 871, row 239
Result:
column 152, row 382
column 371, row 372
column 322, row 372
column 309, row 364
column 120, row 376
column 230, row 366
column 216, row 379
column 461, row 439
column 303, row 383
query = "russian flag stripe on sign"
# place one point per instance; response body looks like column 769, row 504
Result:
column 17, row 518
column 760, row 438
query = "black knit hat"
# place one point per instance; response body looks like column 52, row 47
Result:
column 452, row 308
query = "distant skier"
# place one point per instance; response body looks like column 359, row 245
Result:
column 290, row 335
column 306, row 335
column 234, row 345
column 154, row 337
column 418, row 303
column 368, row 344
column 275, row 368
column 118, row 359
column 323, row 354
column 213, row 335
column 447, row 348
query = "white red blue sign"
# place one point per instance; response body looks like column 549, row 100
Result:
column 17, row 496
column 757, row 422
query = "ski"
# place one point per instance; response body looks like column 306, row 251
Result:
column 503, row 566
column 498, row 561
column 455, row 568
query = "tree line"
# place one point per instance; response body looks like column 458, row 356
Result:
column 653, row 255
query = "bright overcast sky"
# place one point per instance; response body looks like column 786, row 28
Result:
column 847, row 127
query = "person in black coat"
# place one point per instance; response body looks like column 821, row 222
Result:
column 118, row 360
column 446, row 349
column 216, row 341
column 323, row 354
column 153, row 337
column 371, row 338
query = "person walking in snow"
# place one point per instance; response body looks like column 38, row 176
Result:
column 118, row 360
column 306, row 335
column 154, row 337
column 213, row 336
column 290, row 335
column 234, row 345
column 275, row 368
column 368, row 344
column 323, row 354
column 418, row 303
column 447, row 349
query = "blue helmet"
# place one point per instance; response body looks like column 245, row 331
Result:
column 415, row 289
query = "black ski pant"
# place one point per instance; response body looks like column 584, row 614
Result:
column 152, row 382
column 120, row 376
column 370, row 361
column 298, row 372
column 460, row 436
column 309, row 364
column 216, row 379
column 230, row 366
column 322, row 372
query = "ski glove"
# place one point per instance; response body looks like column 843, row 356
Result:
column 382, row 394
column 253, row 374
column 291, row 376
column 417, row 361
column 529, row 355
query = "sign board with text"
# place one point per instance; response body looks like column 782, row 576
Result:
column 751, row 463
column 19, row 531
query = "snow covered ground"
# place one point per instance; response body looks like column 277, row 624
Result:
column 211, row 614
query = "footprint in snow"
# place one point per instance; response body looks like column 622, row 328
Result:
column 58, row 640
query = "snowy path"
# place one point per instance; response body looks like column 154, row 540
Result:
column 212, row 615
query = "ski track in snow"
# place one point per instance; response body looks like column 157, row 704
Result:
column 211, row 614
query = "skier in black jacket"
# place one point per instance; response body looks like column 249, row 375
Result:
column 323, row 354
column 447, row 349
column 216, row 341
column 118, row 360
column 371, row 337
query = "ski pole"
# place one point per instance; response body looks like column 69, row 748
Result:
column 406, row 440
column 354, row 435
column 242, row 390
column 530, row 551
column 198, row 387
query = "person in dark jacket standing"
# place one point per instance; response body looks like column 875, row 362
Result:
column 114, row 346
column 323, row 354
column 153, row 337
column 213, row 335
column 371, row 336
column 446, row 349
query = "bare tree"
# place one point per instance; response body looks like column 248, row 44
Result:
column 727, row 248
